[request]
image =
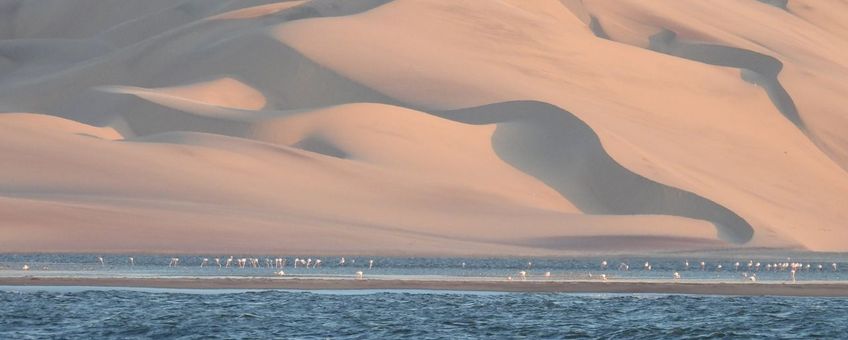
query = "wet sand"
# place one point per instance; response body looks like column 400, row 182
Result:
column 834, row 289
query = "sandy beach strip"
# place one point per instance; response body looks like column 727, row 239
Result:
column 832, row 289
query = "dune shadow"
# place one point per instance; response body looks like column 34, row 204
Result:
column 562, row 151
column 756, row 68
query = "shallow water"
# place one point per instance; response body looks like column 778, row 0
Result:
column 88, row 265
column 108, row 313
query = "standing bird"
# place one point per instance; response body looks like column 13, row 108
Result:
column 102, row 263
column 25, row 267
column 703, row 266
column 736, row 266
column 317, row 263
column 604, row 277
column 463, row 265
column 342, row 262
column 174, row 262
column 604, row 265
column 647, row 266
column 218, row 262
column 370, row 264
column 229, row 262
column 676, row 276
column 792, row 275
column 834, row 266
column 132, row 262
column 719, row 267
column 296, row 261
column 820, row 267
column 523, row 275
column 529, row 265
column 359, row 275
column 308, row 262
column 752, row 278
column 204, row 262
column 685, row 264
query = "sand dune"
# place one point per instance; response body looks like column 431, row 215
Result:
column 422, row 127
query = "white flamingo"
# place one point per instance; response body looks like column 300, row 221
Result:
column 174, row 262
column 835, row 268
column 204, row 262
column 296, row 261
column 218, row 262
column 719, row 267
column 342, row 262
column 132, row 262
column 603, row 277
column 647, row 266
column 25, row 267
column 752, row 278
column 685, row 264
column 820, row 267
column 370, row 264
column 102, row 263
column 736, row 266
column 229, row 262
column 792, row 275
column 359, row 275
column 463, row 265
column 676, row 276
column 529, row 265
column 317, row 263
column 523, row 275
column 703, row 266
column 604, row 265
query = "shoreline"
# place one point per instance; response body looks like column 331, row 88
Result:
column 821, row 289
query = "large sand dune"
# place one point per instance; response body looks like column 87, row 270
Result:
column 422, row 127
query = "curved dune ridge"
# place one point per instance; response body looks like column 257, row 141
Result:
column 409, row 127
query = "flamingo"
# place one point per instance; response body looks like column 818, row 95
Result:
column 308, row 262
column 603, row 277
column 750, row 264
column 719, row 267
column 523, row 275
column 792, row 275
column 834, row 266
column 685, row 264
column 341, row 262
column 820, row 267
column 132, row 262
column 100, row 258
column 547, row 274
column 529, row 265
column 604, row 265
column 218, row 262
column 317, row 263
column 753, row 278
column 280, row 273
column 623, row 267
column 174, row 262
column 296, row 261
column 359, row 275
column 703, row 266
column 229, row 262
column 370, row 264
column 676, row 276
column 204, row 262
column 736, row 266
column 757, row 266
column 647, row 266
column 463, row 265
column 25, row 267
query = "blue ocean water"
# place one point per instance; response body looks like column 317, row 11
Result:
column 79, row 313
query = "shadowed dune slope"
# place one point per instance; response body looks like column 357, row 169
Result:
column 210, row 192
column 562, row 151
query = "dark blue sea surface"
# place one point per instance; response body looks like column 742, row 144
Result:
column 81, row 313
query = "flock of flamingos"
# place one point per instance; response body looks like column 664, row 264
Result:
column 747, row 270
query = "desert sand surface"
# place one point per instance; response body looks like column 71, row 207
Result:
column 427, row 128
column 487, row 285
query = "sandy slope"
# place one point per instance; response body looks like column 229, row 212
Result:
column 421, row 127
